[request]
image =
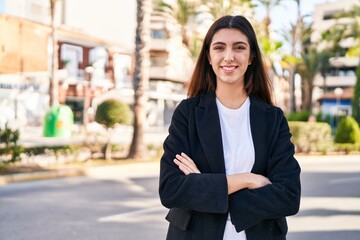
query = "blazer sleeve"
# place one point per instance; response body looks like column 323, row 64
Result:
column 279, row 199
column 205, row 192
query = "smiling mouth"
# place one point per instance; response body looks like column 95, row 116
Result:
column 228, row 69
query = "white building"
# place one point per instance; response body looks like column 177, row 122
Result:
column 91, row 33
column 334, row 92
column 170, row 67
column 342, row 72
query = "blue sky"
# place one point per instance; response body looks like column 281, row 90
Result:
column 286, row 13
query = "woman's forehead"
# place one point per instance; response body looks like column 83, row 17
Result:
column 229, row 35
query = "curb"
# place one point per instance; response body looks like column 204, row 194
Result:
column 135, row 169
column 41, row 175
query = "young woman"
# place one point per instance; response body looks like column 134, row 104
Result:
column 228, row 170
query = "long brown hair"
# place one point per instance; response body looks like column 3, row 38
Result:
column 257, row 81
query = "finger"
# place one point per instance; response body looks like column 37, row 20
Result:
column 187, row 158
column 182, row 158
column 185, row 169
column 193, row 165
column 188, row 162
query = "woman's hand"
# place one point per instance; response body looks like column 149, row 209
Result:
column 257, row 181
column 240, row 181
column 186, row 164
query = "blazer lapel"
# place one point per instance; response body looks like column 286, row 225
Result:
column 258, row 128
column 209, row 132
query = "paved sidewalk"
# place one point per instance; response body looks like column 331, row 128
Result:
column 123, row 169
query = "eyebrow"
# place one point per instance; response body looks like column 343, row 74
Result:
column 235, row 43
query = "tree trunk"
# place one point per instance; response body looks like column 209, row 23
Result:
column 141, row 77
column 306, row 98
column 296, row 38
column 53, row 85
column 108, row 145
column 292, row 101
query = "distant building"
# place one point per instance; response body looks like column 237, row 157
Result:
column 96, row 59
column 88, row 66
column 342, row 71
column 170, row 68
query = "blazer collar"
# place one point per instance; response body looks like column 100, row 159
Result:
column 209, row 131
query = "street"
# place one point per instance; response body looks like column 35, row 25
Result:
column 330, row 204
column 121, row 202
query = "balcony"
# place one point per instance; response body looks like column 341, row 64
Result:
column 335, row 81
column 167, row 73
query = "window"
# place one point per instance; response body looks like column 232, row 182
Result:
column 158, row 61
column 72, row 55
column 331, row 14
column 158, row 34
column 343, row 71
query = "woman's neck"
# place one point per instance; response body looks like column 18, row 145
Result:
column 231, row 97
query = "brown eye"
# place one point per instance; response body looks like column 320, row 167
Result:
column 218, row 48
column 240, row 47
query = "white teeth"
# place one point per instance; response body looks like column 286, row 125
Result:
column 228, row 68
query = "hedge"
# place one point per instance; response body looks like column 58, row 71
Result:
column 311, row 137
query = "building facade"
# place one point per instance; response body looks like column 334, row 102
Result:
column 88, row 65
column 95, row 56
column 170, row 67
column 330, row 90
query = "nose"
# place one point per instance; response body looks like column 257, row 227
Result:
column 229, row 55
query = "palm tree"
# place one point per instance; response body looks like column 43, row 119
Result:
column 216, row 8
column 293, row 37
column 268, row 4
column 183, row 11
column 308, row 68
column 53, row 85
column 325, row 66
column 141, row 77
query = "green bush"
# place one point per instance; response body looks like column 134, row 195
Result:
column 347, row 147
column 309, row 137
column 10, row 151
column 301, row 116
column 347, row 131
column 111, row 113
column 320, row 117
column 53, row 150
column 356, row 97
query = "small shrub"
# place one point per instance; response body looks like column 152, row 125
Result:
column 347, row 131
column 309, row 137
column 10, row 151
column 301, row 116
column 320, row 117
column 347, row 147
column 110, row 114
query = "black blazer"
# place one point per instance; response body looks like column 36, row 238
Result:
column 199, row 203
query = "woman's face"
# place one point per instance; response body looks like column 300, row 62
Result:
column 229, row 56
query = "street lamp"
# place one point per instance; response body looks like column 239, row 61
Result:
column 338, row 92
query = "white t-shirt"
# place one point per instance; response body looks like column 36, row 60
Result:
column 238, row 147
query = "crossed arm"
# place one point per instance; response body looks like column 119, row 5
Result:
column 235, row 182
